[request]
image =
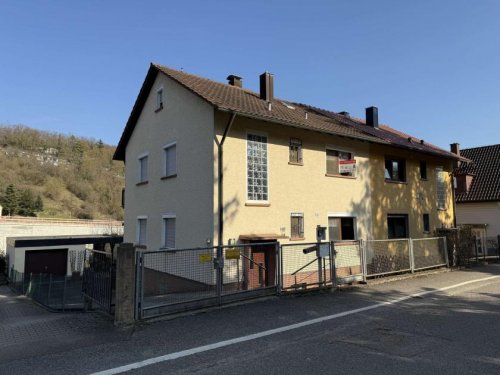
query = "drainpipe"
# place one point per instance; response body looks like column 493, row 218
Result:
column 220, row 177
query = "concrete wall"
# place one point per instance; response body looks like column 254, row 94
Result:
column 480, row 213
column 23, row 227
column 187, row 120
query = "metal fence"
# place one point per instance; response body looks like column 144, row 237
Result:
column 349, row 261
column 493, row 247
column 428, row 253
column 55, row 292
column 99, row 278
column 305, row 266
column 174, row 280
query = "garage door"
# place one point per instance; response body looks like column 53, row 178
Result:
column 46, row 261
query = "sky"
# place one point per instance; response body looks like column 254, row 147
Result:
column 431, row 67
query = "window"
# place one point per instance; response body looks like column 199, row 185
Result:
column 423, row 170
column 295, row 151
column 159, row 99
column 297, row 225
column 257, row 183
column 170, row 160
column 143, row 169
column 395, row 170
column 426, row 223
column 397, row 226
column 142, row 231
column 440, row 188
column 168, row 240
column 340, row 163
column 341, row 228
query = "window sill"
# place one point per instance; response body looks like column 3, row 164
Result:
column 424, row 179
column 294, row 163
column 340, row 176
column 142, row 247
column 396, row 182
column 159, row 109
column 167, row 177
column 141, row 183
column 297, row 238
column 257, row 204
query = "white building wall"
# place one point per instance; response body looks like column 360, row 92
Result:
column 480, row 213
column 24, row 227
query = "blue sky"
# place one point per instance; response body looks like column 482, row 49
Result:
column 431, row 67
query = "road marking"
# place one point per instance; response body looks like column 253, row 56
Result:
column 254, row 336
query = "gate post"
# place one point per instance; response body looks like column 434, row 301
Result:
column 125, row 284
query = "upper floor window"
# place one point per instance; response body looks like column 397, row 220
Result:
column 340, row 163
column 297, row 225
column 168, row 239
column 395, row 169
column 257, row 174
column 423, row 170
column 141, row 238
column 159, row 99
column 341, row 228
column 170, row 160
column 441, row 188
column 143, row 169
column 295, row 151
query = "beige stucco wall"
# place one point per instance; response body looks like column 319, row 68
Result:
column 414, row 198
column 368, row 197
column 292, row 188
column 187, row 120
column 480, row 213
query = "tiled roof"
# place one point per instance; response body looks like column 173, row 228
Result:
column 485, row 168
column 249, row 104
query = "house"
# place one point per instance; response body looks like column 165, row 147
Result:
column 209, row 163
column 477, row 194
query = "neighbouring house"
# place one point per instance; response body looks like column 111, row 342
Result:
column 477, row 194
column 208, row 163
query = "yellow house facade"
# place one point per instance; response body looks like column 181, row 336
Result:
column 209, row 163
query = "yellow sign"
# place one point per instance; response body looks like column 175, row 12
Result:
column 233, row 254
column 205, row 258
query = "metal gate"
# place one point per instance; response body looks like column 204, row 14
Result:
column 306, row 265
column 349, row 261
column 176, row 280
column 99, row 278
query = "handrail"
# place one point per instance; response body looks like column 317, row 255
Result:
column 254, row 262
column 301, row 268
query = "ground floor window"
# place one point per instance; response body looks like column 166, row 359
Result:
column 397, row 226
column 341, row 228
column 297, row 225
column 426, row 223
column 168, row 231
column 141, row 237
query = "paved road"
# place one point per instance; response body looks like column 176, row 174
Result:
column 452, row 331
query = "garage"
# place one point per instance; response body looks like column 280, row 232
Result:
column 46, row 261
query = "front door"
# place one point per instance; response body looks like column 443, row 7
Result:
column 261, row 269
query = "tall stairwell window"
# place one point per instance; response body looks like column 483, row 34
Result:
column 257, row 173
column 441, row 188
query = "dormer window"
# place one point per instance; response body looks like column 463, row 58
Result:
column 159, row 99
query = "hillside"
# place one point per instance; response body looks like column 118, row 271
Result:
column 55, row 175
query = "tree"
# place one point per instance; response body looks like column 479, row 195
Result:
column 10, row 200
column 38, row 204
column 26, row 204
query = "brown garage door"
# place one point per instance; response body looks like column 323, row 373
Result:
column 46, row 261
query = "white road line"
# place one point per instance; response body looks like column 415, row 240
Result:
column 254, row 336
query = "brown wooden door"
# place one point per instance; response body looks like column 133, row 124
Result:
column 259, row 277
column 46, row 261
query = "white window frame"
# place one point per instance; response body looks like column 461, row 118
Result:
column 261, row 134
column 165, row 148
column 159, row 94
column 139, row 167
column 331, row 147
column 138, row 230
column 163, row 223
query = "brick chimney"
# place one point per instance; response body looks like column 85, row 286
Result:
column 267, row 87
column 455, row 148
column 235, row 80
column 372, row 117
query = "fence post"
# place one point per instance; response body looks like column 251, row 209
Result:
column 333, row 267
column 412, row 257
column 498, row 245
column 64, row 294
column 278, row 268
column 362, row 249
column 125, row 284
column 138, row 286
column 48, row 293
column 475, row 248
column 445, row 244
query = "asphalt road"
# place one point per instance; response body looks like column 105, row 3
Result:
column 411, row 326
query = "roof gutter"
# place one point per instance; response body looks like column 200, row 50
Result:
column 220, row 175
